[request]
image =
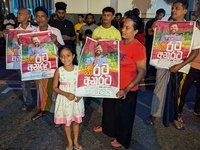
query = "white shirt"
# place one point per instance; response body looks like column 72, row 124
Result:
column 29, row 27
column 195, row 45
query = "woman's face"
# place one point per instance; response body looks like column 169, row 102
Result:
column 128, row 31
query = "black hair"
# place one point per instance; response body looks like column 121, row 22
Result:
column 88, row 31
column 137, row 22
column 72, row 50
column 136, row 12
column 90, row 14
column 183, row 2
column 81, row 15
column 159, row 11
column 128, row 13
column 118, row 14
column 108, row 9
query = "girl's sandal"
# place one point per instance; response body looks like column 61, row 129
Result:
column 80, row 148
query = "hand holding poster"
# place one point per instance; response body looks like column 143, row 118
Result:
column 13, row 53
column 98, row 70
column 38, row 56
column 172, row 44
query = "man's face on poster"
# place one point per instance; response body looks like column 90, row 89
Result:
column 36, row 41
column 173, row 29
column 98, row 50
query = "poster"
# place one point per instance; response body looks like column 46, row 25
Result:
column 13, row 52
column 172, row 44
column 38, row 56
column 98, row 70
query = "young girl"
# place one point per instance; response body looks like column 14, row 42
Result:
column 69, row 109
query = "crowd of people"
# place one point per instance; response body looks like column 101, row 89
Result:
column 57, row 94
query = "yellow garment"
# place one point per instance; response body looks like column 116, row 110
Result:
column 106, row 33
column 77, row 27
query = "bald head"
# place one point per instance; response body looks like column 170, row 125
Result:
column 23, row 15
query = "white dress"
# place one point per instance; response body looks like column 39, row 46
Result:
column 67, row 111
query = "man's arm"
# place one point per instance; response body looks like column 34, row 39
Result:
column 150, row 31
column 190, row 58
column 68, row 38
column 150, row 28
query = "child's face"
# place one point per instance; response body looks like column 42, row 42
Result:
column 66, row 57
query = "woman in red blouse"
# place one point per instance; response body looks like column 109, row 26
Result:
column 119, row 114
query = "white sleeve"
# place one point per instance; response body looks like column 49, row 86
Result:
column 59, row 37
column 196, row 37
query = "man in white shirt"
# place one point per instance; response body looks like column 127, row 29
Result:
column 45, row 94
column 23, row 16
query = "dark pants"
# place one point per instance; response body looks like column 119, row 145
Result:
column 171, row 102
column 118, row 117
column 194, row 74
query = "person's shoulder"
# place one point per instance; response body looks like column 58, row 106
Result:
column 151, row 21
column 94, row 25
column 53, row 28
column 137, row 43
column 53, row 21
column 84, row 26
column 67, row 21
column 98, row 28
column 114, row 29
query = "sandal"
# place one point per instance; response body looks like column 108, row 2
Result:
column 97, row 129
column 178, row 125
column 115, row 143
column 150, row 120
column 180, row 119
column 38, row 115
column 57, row 125
column 80, row 148
column 70, row 148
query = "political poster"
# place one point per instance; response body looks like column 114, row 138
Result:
column 38, row 56
column 172, row 44
column 13, row 52
column 98, row 69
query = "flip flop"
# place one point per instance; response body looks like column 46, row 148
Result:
column 115, row 144
column 150, row 120
column 113, row 141
column 69, row 149
column 97, row 129
column 38, row 115
column 178, row 125
column 80, row 148
column 57, row 125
